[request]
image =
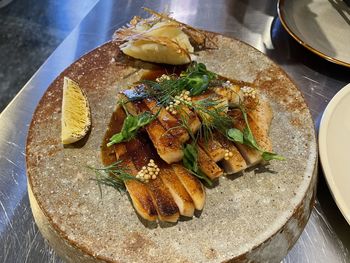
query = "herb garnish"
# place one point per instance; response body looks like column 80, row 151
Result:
column 113, row 175
column 214, row 117
column 130, row 127
column 190, row 161
column 247, row 138
column 212, row 111
column 196, row 79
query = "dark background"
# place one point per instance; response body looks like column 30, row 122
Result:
column 30, row 30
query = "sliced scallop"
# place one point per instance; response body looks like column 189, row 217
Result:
column 192, row 185
column 141, row 154
column 207, row 165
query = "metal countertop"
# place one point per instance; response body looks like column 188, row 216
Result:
column 326, row 237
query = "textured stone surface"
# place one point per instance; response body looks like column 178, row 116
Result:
column 257, row 216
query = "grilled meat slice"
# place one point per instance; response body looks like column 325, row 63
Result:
column 232, row 93
column 167, row 209
column 260, row 135
column 141, row 152
column 181, row 197
column 210, row 95
column 207, row 165
column 262, row 114
column 192, row 185
column 252, row 156
column 168, row 121
column 185, row 114
column 168, row 147
column 138, row 192
column 236, row 162
column 213, row 148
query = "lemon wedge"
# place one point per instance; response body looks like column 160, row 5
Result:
column 76, row 119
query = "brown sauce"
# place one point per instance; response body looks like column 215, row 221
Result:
column 153, row 74
column 115, row 125
column 108, row 154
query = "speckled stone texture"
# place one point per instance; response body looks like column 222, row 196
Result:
column 30, row 30
column 255, row 216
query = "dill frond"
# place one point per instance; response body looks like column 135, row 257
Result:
column 113, row 175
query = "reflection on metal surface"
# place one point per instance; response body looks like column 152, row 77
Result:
column 311, row 27
column 185, row 12
column 326, row 237
column 318, row 242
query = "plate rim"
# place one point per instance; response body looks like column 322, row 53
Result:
column 322, row 141
column 280, row 12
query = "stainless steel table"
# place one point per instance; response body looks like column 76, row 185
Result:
column 326, row 237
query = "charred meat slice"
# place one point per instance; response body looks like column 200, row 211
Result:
column 213, row 148
column 262, row 114
column 141, row 153
column 168, row 147
column 139, row 194
column 251, row 155
column 231, row 93
column 234, row 163
column 169, row 122
column 185, row 114
column 192, row 185
column 177, row 189
column 207, row 165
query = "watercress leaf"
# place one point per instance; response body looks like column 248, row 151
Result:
column 190, row 157
column 202, row 176
column 249, row 139
column 192, row 151
column 201, row 67
column 116, row 138
column 235, row 135
column 129, row 126
column 144, row 119
column 187, row 163
column 268, row 156
column 197, row 83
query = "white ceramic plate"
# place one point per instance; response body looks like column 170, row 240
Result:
column 334, row 144
column 322, row 26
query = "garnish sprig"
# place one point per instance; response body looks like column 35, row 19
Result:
column 213, row 114
column 131, row 126
column 196, row 79
column 113, row 175
column 247, row 138
column 190, row 161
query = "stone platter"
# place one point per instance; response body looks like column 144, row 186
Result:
column 255, row 216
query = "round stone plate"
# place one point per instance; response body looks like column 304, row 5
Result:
column 255, row 216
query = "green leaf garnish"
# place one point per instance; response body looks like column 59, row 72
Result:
column 190, row 161
column 195, row 79
column 249, row 140
column 267, row 156
column 131, row 126
column 235, row 135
